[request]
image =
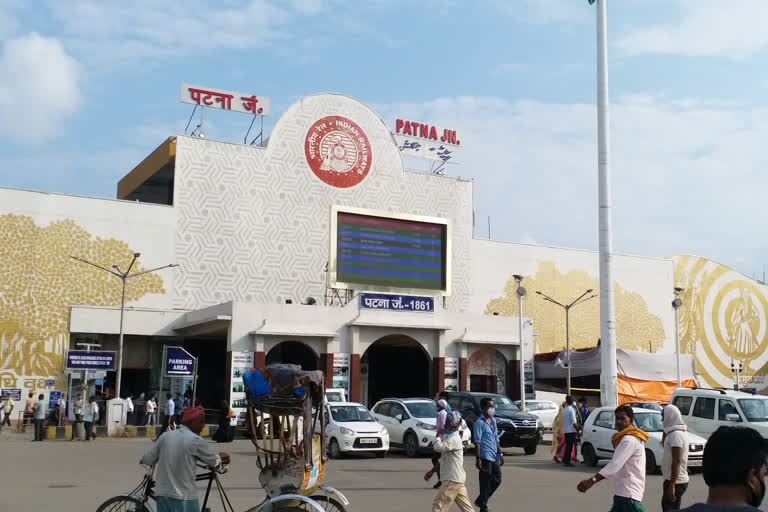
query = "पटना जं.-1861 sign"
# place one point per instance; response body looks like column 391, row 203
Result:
column 383, row 301
column 225, row 100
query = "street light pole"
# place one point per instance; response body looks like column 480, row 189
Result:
column 567, row 308
column 676, row 305
column 123, row 276
column 520, row 294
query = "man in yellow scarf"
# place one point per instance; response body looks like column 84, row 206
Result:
column 627, row 467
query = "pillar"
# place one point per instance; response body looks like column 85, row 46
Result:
column 463, row 375
column 354, row 378
column 259, row 360
column 438, row 371
column 326, row 366
column 513, row 380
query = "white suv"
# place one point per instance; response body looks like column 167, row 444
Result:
column 410, row 422
column 706, row 410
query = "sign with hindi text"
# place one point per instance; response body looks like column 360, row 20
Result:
column 14, row 392
column 225, row 100
column 397, row 302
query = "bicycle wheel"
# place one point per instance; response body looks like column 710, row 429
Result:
column 123, row 504
column 328, row 504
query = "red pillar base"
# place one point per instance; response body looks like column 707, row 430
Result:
column 463, row 375
column 259, row 360
column 354, row 378
column 438, row 372
column 326, row 366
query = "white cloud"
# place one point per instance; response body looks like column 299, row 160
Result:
column 705, row 28
column 39, row 87
column 688, row 175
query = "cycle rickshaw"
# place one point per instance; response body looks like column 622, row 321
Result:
column 286, row 418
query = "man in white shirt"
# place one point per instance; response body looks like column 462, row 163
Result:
column 168, row 412
column 627, row 467
column 674, row 464
column 570, row 429
column 129, row 408
column 175, row 456
column 451, row 451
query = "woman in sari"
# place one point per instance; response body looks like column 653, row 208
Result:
column 558, row 437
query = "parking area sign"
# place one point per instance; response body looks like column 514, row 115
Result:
column 179, row 362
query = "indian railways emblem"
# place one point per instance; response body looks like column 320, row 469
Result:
column 338, row 151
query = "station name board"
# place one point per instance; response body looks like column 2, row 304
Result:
column 225, row 100
column 426, row 131
column 397, row 302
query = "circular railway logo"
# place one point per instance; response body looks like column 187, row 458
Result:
column 338, row 151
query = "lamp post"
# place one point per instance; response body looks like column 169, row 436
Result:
column 567, row 308
column 123, row 276
column 676, row 303
column 520, row 294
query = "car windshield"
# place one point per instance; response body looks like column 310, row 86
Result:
column 422, row 409
column 501, row 403
column 649, row 421
column 347, row 413
column 755, row 409
column 333, row 397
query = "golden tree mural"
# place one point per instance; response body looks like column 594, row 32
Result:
column 39, row 281
column 636, row 328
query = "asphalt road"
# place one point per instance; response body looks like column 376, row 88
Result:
column 78, row 476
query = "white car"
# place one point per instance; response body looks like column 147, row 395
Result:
column 411, row 424
column 349, row 427
column 706, row 410
column 335, row 395
column 545, row 410
column 600, row 427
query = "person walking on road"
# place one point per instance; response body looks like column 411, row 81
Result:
column 451, row 451
column 177, row 409
column 442, row 413
column 175, row 456
column 168, row 413
column 90, row 413
column 488, row 452
column 129, row 409
column 674, row 464
column 627, row 467
column 29, row 411
column 8, row 406
column 583, row 409
column 570, row 429
column 39, row 413
column 734, row 469
column 151, row 407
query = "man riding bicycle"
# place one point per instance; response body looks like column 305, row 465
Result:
column 175, row 455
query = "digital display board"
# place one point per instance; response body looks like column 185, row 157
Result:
column 389, row 252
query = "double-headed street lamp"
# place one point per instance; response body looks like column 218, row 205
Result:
column 567, row 308
column 123, row 276
column 676, row 303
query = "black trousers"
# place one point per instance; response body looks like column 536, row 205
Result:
column 679, row 491
column 570, row 443
column 89, row 430
column 39, row 429
column 490, row 480
column 6, row 420
column 436, row 463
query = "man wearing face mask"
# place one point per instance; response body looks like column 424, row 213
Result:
column 627, row 466
column 488, row 452
column 734, row 469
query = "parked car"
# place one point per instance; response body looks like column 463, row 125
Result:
column 349, row 427
column 600, row 427
column 545, row 410
column 335, row 395
column 516, row 429
column 706, row 410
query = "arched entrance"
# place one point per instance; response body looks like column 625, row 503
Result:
column 487, row 369
column 293, row 352
column 395, row 366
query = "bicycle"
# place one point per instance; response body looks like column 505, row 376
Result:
column 142, row 498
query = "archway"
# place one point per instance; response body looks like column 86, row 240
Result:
column 293, row 352
column 394, row 366
column 487, row 369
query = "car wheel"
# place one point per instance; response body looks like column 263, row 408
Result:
column 334, row 450
column 590, row 457
column 381, row 455
column 530, row 449
column 411, row 445
column 650, row 462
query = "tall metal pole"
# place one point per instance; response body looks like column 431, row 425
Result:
column 120, row 343
column 677, row 349
column 523, row 355
column 608, row 369
column 568, row 348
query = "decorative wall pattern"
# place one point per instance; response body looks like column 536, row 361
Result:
column 254, row 222
column 722, row 320
column 38, row 283
column 636, row 328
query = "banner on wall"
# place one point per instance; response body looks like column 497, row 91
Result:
column 451, row 379
column 14, row 392
column 241, row 363
column 341, row 371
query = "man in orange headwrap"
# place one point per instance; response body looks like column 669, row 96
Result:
column 176, row 454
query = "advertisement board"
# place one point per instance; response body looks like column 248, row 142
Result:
column 241, row 362
column 451, row 379
column 341, row 363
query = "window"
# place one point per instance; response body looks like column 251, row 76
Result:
column 704, row 408
column 605, row 419
column 684, row 404
column 454, row 402
column 383, row 409
column 726, row 407
column 396, row 409
column 548, row 406
column 467, row 404
column 755, row 409
column 531, row 406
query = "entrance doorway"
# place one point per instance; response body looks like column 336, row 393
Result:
column 487, row 370
column 293, row 352
column 211, row 354
column 397, row 367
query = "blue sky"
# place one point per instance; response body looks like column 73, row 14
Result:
column 89, row 87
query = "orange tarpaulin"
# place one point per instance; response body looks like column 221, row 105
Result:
column 633, row 390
